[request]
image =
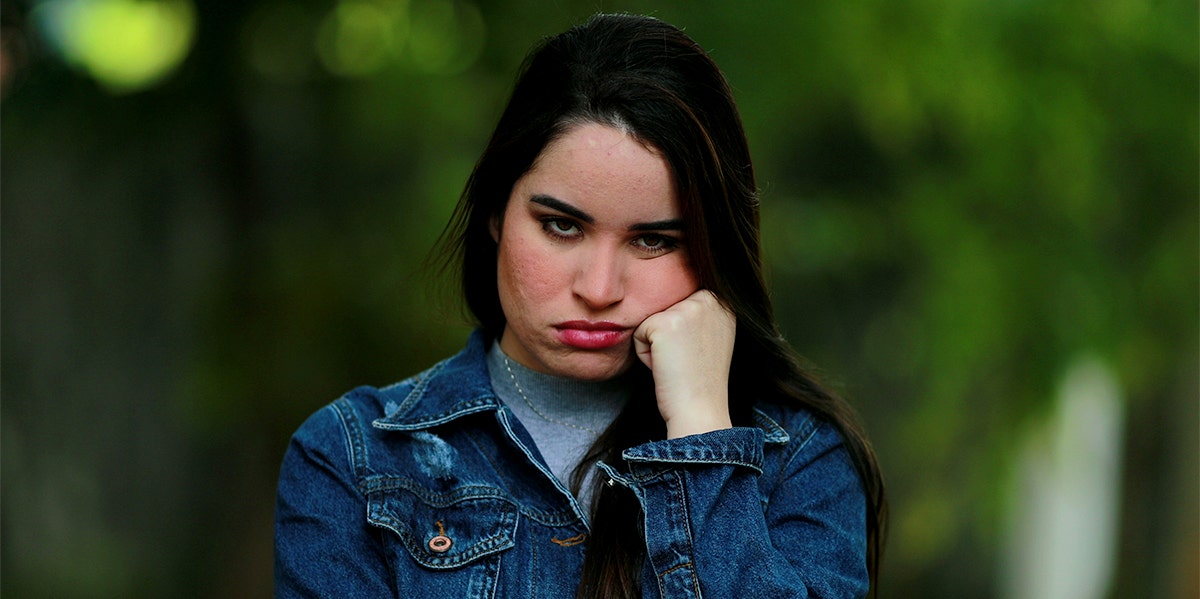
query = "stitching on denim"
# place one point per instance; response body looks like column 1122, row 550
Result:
column 707, row 456
column 683, row 514
column 501, row 490
column 481, row 549
column 502, row 534
column 712, row 462
column 770, row 426
column 687, row 526
column 695, row 583
column 808, row 428
column 410, row 381
column 700, row 455
column 559, row 518
column 695, row 580
column 533, row 571
column 419, row 390
column 674, row 568
column 805, row 433
column 569, row 541
column 355, row 445
column 480, row 404
column 493, row 574
column 649, row 476
column 378, row 484
column 572, row 516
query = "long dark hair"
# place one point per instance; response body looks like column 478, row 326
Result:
column 648, row 78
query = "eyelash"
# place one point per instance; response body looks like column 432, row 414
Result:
column 665, row 244
column 554, row 226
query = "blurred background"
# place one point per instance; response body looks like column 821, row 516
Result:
column 980, row 221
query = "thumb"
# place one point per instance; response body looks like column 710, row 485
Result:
column 641, row 344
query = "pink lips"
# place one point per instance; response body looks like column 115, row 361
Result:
column 584, row 334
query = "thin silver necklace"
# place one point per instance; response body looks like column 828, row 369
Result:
column 513, row 376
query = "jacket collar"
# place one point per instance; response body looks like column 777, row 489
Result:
column 773, row 432
column 451, row 389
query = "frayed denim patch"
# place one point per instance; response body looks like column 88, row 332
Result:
column 434, row 456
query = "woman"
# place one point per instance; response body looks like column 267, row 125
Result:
column 627, row 420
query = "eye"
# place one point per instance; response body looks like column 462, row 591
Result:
column 561, row 228
column 656, row 244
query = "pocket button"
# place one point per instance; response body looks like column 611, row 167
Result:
column 440, row 543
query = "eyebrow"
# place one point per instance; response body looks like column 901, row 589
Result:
column 673, row 224
column 563, row 207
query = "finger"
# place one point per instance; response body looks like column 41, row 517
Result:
column 641, row 344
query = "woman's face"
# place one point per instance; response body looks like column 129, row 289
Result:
column 590, row 245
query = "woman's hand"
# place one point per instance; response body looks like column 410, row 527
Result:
column 688, row 348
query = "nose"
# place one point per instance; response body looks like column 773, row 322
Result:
column 599, row 279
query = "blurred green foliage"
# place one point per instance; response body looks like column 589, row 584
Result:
column 960, row 199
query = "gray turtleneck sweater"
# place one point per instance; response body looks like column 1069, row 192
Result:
column 564, row 416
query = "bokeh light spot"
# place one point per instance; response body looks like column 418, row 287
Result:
column 359, row 37
column 447, row 36
column 125, row 45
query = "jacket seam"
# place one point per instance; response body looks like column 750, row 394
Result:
column 557, row 519
column 352, row 431
column 805, row 433
column 688, row 540
column 379, row 484
column 418, row 390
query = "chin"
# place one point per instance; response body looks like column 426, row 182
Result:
column 595, row 368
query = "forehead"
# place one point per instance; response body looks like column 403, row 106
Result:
column 602, row 167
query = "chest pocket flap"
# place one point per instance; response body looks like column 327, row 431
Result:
column 445, row 530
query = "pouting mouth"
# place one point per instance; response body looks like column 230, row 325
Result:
column 587, row 325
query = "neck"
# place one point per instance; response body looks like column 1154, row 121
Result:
column 564, row 401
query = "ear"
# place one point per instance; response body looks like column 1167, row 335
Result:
column 494, row 225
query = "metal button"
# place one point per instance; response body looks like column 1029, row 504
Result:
column 440, row 543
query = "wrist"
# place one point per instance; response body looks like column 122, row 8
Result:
column 697, row 424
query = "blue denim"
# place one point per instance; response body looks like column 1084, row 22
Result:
column 430, row 488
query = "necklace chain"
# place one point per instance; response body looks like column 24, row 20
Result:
column 513, row 376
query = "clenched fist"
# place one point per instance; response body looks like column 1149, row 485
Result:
column 688, row 348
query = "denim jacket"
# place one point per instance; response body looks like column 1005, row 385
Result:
column 430, row 488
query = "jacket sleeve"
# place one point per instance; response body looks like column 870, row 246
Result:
column 712, row 528
column 324, row 546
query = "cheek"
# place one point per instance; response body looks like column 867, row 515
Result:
column 526, row 274
column 665, row 285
